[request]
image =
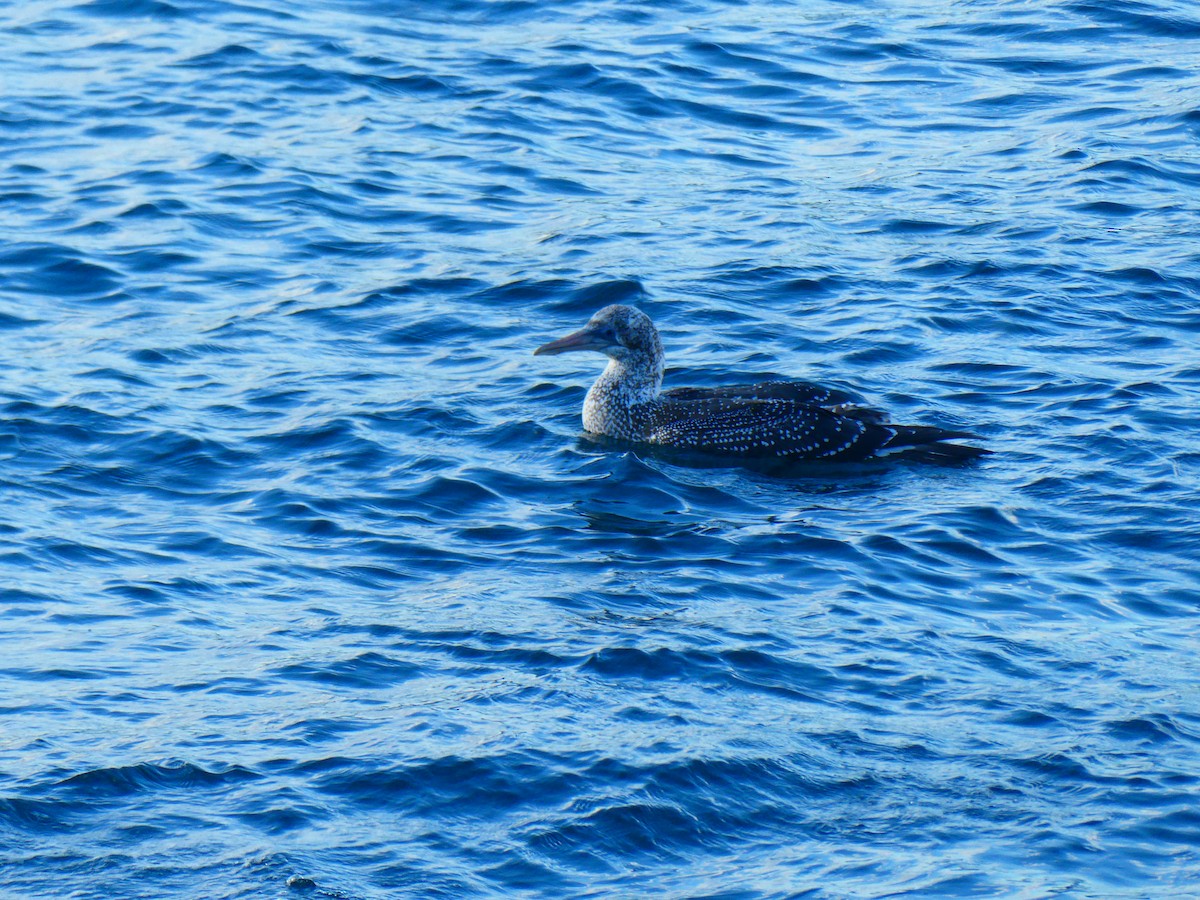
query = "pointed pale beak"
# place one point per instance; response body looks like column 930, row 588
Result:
column 584, row 339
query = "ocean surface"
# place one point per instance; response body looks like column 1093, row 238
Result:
column 310, row 586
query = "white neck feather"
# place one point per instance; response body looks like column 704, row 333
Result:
column 622, row 385
column 634, row 380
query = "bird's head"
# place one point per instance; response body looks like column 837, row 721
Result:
column 620, row 332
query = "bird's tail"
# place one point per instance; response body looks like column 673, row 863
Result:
column 925, row 443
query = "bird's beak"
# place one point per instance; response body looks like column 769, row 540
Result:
column 584, row 339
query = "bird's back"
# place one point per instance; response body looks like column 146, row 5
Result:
column 767, row 428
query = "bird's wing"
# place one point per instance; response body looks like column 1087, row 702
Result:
column 764, row 428
column 796, row 391
column 804, row 392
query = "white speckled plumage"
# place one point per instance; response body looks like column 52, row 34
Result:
column 786, row 421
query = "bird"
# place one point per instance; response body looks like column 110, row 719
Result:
column 772, row 422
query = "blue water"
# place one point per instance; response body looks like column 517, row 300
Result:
column 310, row 588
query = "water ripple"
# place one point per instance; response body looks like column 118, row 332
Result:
column 314, row 586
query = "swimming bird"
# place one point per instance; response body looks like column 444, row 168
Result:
column 768, row 422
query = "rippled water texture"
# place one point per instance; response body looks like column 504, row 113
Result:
column 310, row 587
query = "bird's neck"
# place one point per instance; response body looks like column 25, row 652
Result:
column 611, row 406
column 633, row 381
